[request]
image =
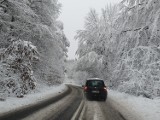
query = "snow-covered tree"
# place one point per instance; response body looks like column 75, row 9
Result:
column 17, row 21
column 16, row 72
column 138, row 47
column 128, row 41
column 93, row 49
column 51, row 41
column 34, row 22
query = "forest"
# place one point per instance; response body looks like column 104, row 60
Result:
column 122, row 46
column 33, row 46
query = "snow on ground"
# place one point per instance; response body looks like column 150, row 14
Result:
column 41, row 94
column 135, row 108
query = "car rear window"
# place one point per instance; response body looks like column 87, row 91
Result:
column 95, row 83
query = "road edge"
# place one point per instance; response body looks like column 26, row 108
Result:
column 34, row 106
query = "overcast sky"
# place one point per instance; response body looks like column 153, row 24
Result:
column 73, row 15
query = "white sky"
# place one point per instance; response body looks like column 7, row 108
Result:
column 73, row 14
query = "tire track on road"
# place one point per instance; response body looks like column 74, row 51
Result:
column 98, row 110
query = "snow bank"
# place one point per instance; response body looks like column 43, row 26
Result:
column 44, row 93
column 135, row 108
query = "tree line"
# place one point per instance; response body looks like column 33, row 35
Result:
column 33, row 46
column 122, row 46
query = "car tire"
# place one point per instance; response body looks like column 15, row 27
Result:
column 104, row 98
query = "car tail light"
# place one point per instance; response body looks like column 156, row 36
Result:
column 85, row 88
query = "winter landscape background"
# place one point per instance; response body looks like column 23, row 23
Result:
column 33, row 45
column 120, row 45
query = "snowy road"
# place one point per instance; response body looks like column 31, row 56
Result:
column 97, row 110
column 61, row 110
column 65, row 107
column 57, row 108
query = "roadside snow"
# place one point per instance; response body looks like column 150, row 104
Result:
column 135, row 108
column 44, row 93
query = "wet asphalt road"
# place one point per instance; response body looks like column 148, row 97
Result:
column 99, row 110
column 64, row 107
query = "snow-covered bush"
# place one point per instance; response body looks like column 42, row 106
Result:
column 16, row 74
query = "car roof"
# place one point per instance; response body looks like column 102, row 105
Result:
column 95, row 79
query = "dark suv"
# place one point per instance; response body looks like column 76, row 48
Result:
column 95, row 88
